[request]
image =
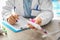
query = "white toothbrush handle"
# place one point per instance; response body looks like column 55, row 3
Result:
column 43, row 31
column 35, row 25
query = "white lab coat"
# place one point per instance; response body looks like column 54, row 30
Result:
column 45, row 6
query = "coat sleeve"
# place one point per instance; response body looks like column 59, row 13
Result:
column 7, row 9
column 46, row 17
column 46, row 13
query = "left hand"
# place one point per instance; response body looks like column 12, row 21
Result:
column 12, row 19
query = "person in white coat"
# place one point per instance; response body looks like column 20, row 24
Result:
column 44, row 8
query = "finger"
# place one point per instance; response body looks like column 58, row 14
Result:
column 11, row 22
column 38, row 21
column 16, row 16
column 13, row 18
column 30, row 26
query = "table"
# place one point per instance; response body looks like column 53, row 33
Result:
column 54, row 25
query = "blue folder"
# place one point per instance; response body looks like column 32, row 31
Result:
column 7, row 25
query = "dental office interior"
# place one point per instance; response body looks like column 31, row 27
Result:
column 25, row 27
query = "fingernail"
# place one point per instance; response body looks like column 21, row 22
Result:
column 45, row 32
column 16, row 21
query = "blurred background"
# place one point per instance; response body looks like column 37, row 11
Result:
column 56, row 9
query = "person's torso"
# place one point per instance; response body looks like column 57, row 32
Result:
column 19, row 7
column 43, row 5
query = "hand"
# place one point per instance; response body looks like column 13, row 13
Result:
column 12, row 19
column 37, row 21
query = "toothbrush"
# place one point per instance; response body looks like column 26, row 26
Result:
column 43, row 31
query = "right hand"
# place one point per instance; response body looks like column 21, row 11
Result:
column 12, row 19
column 37, row 21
